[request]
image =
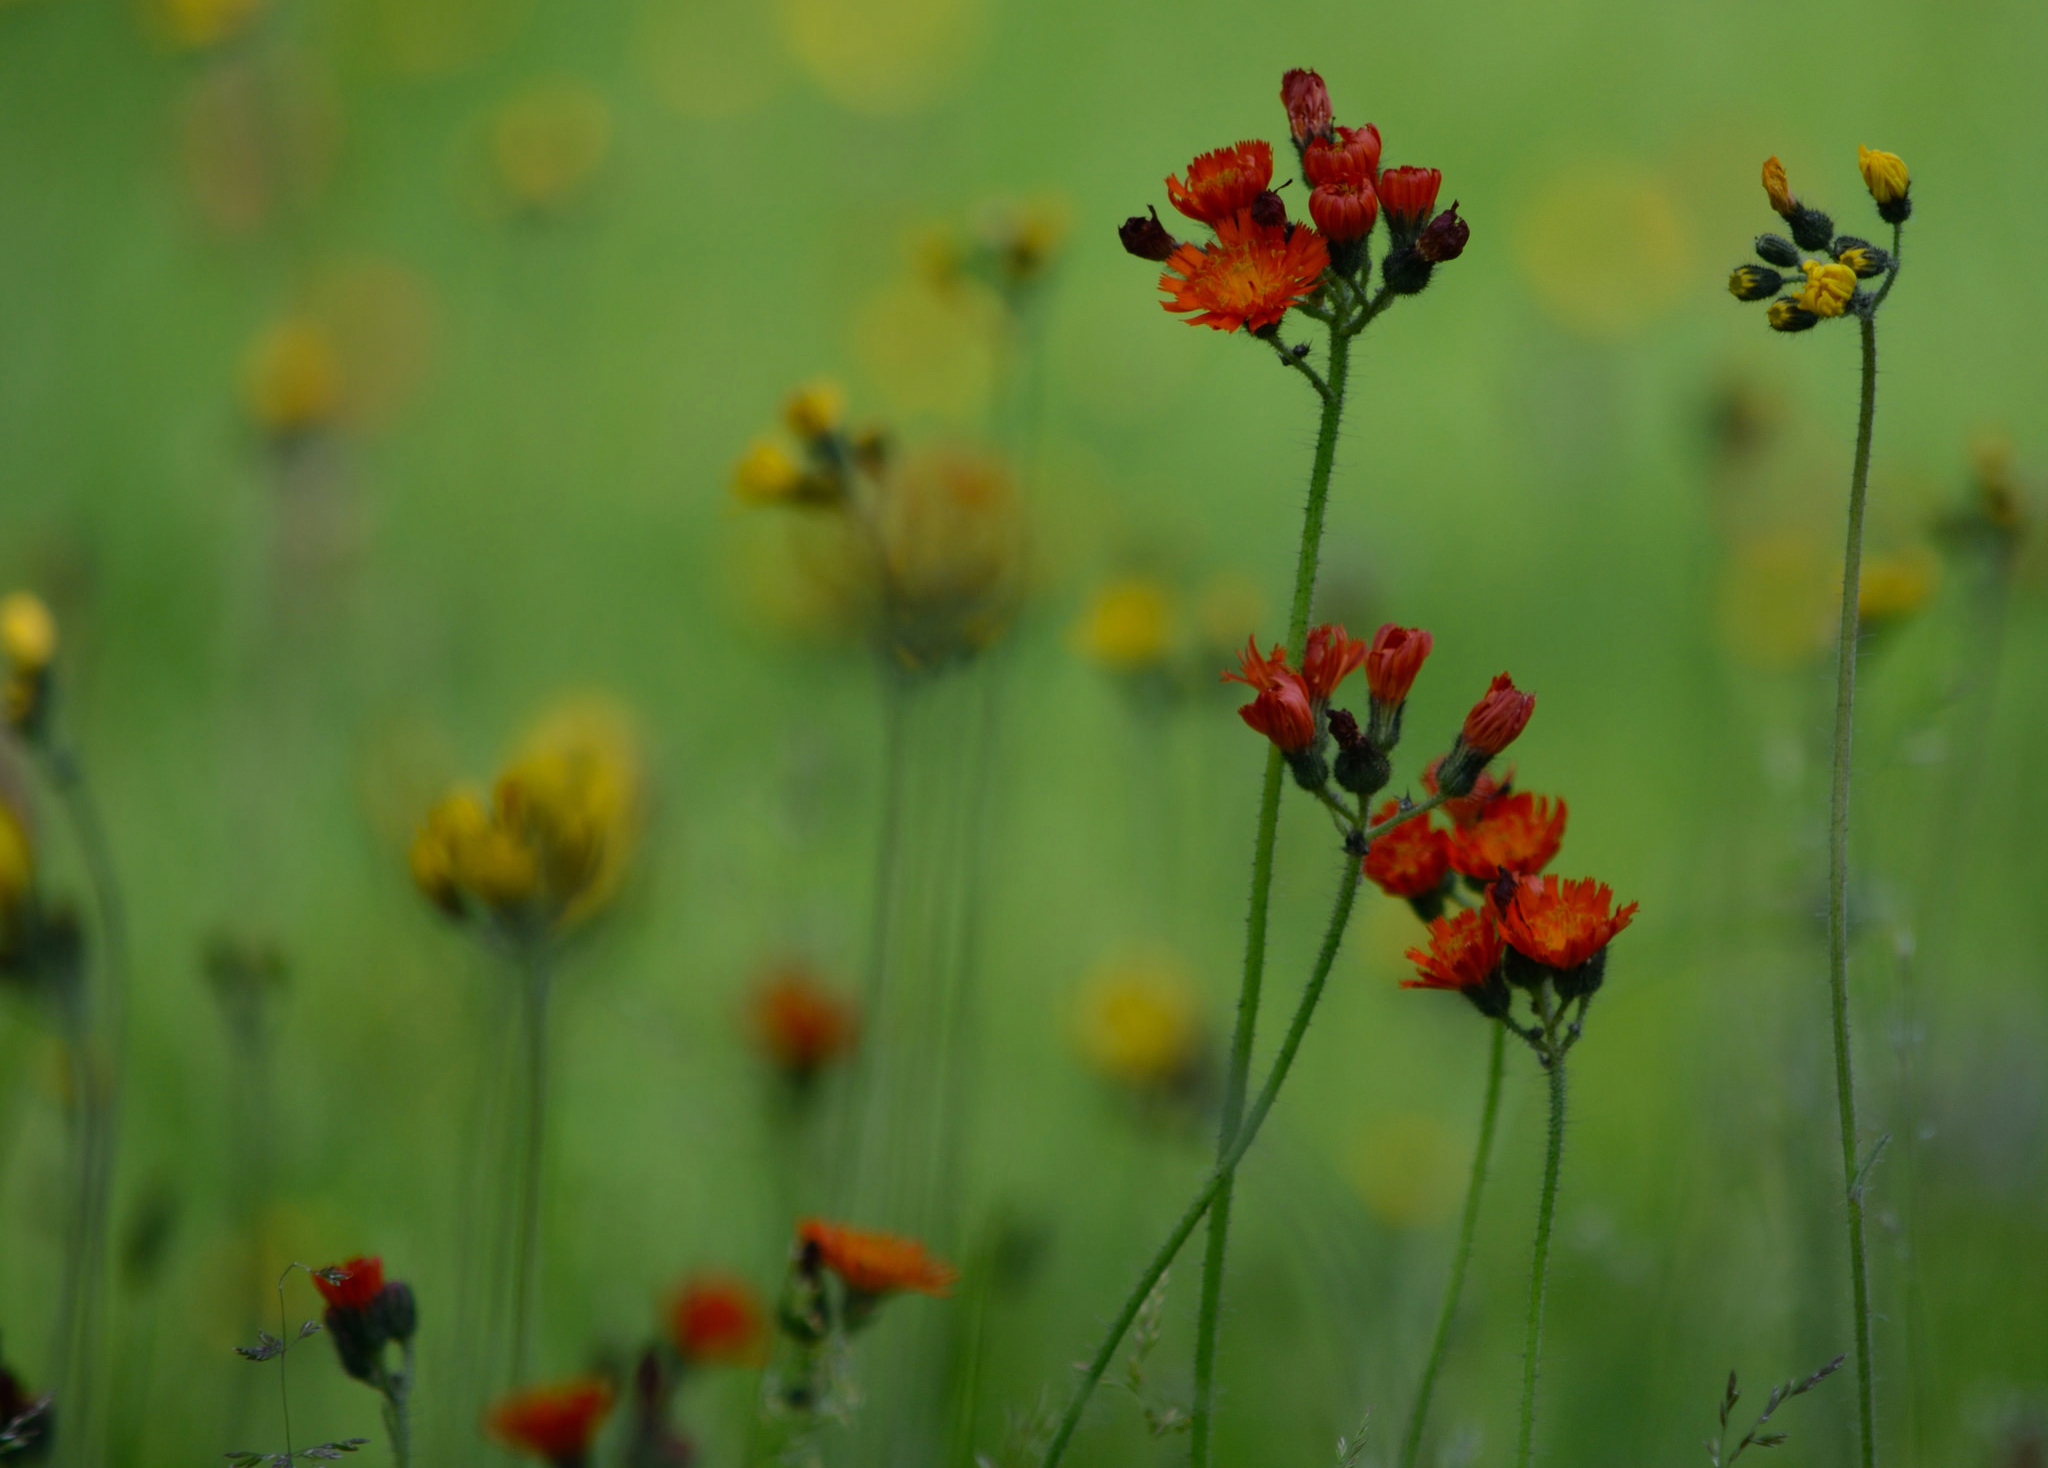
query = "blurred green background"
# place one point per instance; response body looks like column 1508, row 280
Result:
column 562, row 262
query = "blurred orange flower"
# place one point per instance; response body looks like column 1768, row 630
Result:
column 873, row 1263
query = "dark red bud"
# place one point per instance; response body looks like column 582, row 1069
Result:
column 1444, row 237
column 1269, row 209
column 1148, row 239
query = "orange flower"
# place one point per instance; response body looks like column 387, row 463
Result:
column 1778, row 187
column 876, row 1263
column 1223, row 182
column 361, row 1279
column 1352, row 153
column 1396, row 657
column 1283, row 711
column 1498, row 718
column 1520, row 833
column 1409, row 861
column 1562, row 925
column 1307, row 102
column 1463, row 955
column 800, row 1024
column 1331, row 656
column 1344, row 209
column 552, row 1422
column 1249, row 277
column 1465, row 809
column 716, row 1320
column 1408, row 194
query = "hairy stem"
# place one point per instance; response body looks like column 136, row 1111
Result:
column 1255, row 925
column 1546, row 1212
column 1462, row 1256
column 1838, row 889
column 526, row 1246
column 1226, row 1166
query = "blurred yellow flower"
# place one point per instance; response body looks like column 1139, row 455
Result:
column 815, row 409
column 884, row 57
column 1777, row 599
column 951, row 542
column 548, row 142
column 1631, row 289
column 193, row 25
column 1137, row 1022
column 17, row 867
column 28, row 633
column 291, row 380
column 767, row 474
column 1893, row 587
column 1128, row 625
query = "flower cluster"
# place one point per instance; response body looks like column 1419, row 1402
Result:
column 365, row 1313
column 1258, row 263
column 1814, row 275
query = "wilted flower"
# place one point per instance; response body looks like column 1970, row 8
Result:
column 1282, row 711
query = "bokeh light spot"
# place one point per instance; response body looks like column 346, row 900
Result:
column 883, row 56
column 1617, row 291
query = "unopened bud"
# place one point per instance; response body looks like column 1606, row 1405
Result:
column 1754, row 282
column 1269, row 209
column 1148, row 239
column 1444, row 237
column 1361, row 766
column 1777, row 250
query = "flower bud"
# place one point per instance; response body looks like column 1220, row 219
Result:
column 1811, row 229
column 1407, row 195
column 1777, row 250
column 1361, row 767
column 1444, row 237
column 1344, row 209
column 1862, row 257
column 1405, row 271
column 1788, row 315
column 1885, row 175
column 1307, row 102
column 1148, row 239
column 816, row 409
column 1754, row 282
column 1269, row 209
column 1494, row 723
column 394, row 1313
column 1777, row 187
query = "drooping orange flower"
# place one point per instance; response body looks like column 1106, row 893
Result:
column 1283, row 710
column 1561, row 924
column 1411, row 860
column 716, row 1320
column 1222, row 182
column 800, row 1024
column 1463, row 952
column 361, row 1280
column 1520, row 833
column 1330, row 657
column 1307, row 102
column 1465, row 809
column 1395, row 658
column 1498, row 718
column 556, row 1422
column 1249, row 277
column 873, row 1263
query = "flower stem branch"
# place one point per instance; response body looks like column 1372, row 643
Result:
column 1462, row 1256
column 1218, row 1181
column 533, row 1138
column 1546, row 1212
column 1255, row 924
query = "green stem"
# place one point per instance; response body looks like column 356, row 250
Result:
column 1455, row 1285
column 1262, row 886
column 526, row 1247
column 1546, row 1212
column 1225, row 1168
column 1838, row 888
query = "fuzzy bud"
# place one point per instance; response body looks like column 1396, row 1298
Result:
column 1148, row 239
column 1754, row 283
column 1777, row 250
column 1444, row 237
column 1307, row 102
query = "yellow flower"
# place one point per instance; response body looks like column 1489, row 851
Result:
column 951, row 542
column 1776, row 185
column 767, row 475
column 548, row 142
column 1892, row 588
column 17, row 868
column 1829, row 287
column 28, row 633
column 1137, row 1023
column 1884, row 174
column 815, row 409
column 292, row 379
column 1128, row 626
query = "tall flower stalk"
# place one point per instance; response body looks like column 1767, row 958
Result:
column 1833, row 268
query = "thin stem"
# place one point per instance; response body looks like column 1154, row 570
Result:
column 397, row 1390
column 1838, row 885
column 1226, row 1166
column 1546, row 1211
column 1462, row 1256
column 1262, row 885
column 526, row 1249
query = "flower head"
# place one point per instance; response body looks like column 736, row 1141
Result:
column 1249, row 277
column 872, row 1263
column 17, row 876
column 1137, row 1024
column 556, row 1422
column 1463, row 953
column 1128, row 626
column 1444, row 237
column 28, row 633
column 800, row 1024
column 1411, row 860
column 1146, row 237
column 716, row 1320
column 1408, row 194
column 292, row 378
column 1517, row 833
column 1349, row 153
column 1884, row 174
column 1778, row 187
column 767, row 474
column 1787, row 315
column 1561, row 924
column 1331, row 656
column 1754, row 282
column 1499, row 717
column 1465, row 809
column 1283, row 710
column 815, row 409
column 1344, row 209
column 361, row 1279
column 1829, row 288
column 1307, row 102
column 1395, row 658
column 1222, row 182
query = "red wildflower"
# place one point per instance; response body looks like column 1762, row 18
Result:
column 1249, row 277
column 1561, row 924
column 1408, row 195
column 1396, row 657
column 552, row 1422
column 1344, row 208
column 716, row 1320
column 800, row 1024
column 1499, row 717
column 1464, row 952
column 1307, row 102
column 1518, row 832
column 1465, row 809
column 362, row 1278
column 1332, row 656
column 876, row 1263
column 1283, row 711
column 1352, row 153
column 1222, row 182
column 1411, row 860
